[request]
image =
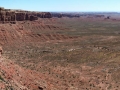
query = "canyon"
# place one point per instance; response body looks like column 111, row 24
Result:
column 59, row 51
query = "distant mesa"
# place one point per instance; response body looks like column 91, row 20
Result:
column 11, row 16
column 70, row 15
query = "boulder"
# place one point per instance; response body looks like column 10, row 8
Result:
column 1, row 51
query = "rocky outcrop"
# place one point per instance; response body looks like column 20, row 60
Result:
column 32, row 18
column 47, row 15
column 7, row 15
column 1, row 51
column 70, row 15
column 20, row 16
column 59, row 15
column 11, row 16
column 44, row 15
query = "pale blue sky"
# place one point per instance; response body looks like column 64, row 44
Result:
column 63, row 5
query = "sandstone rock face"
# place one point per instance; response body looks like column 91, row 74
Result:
column 47, row 15
column 20, row 16
column 44, row 15
column 7, row 16
column 32, row 18
column 11, row 16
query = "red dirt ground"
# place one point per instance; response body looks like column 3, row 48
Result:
column 49, row 76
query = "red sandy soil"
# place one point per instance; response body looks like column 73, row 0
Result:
column 29, row 32
column 56, row 78
column 46, row 76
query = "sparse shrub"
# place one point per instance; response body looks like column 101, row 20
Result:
column 1, row 78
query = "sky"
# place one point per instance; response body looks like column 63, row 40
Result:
column 63, row 5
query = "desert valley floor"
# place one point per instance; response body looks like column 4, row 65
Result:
column 60, row 54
